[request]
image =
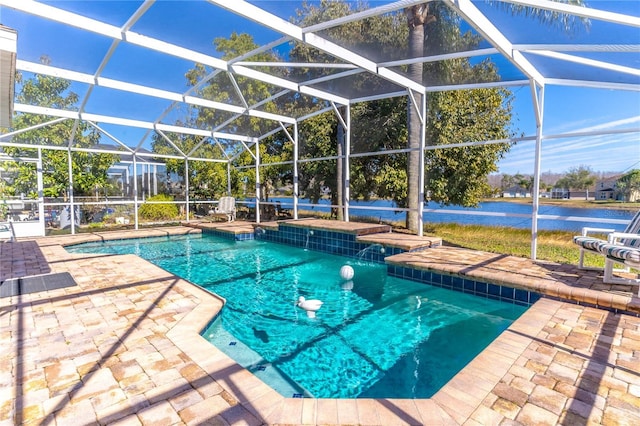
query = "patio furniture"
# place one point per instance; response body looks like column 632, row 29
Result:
column 282, row 212
column 619, row 248
column 5, row 232
column 227, row 207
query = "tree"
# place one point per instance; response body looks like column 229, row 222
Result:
column 629, row 185
column 417, row 17
column 580, row 178
column 506, row 182
column 272, row 149
column 459, row 175
column 209, row 179
column 435, row 19
column 454, row 176
column 89, row 169
column 358, row 36
column 523, row 181
column 206, row 179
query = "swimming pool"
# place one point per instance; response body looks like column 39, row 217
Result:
column 375, row 336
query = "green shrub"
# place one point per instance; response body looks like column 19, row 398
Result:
column 159, row 211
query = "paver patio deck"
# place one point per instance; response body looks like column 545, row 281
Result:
column 123, row 347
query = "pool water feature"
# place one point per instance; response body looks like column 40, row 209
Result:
column 378, row 337
column 370, row 250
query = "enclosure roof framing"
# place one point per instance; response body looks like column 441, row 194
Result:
column 128, row 61
column 8, row 46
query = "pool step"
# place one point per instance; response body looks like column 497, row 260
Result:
column 354, row 228
column 365, row 233
column 237, row 230
column 405, row 242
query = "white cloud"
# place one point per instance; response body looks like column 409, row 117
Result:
column 590, row 125
column 613, row 152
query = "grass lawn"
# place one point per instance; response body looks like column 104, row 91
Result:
column 556, row 246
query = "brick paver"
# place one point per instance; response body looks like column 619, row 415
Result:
column 122, row 347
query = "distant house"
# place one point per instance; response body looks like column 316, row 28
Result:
column 606, row 188
column 570, row 194
column 516, row 191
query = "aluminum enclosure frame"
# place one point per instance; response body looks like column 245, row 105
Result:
column 348, row 62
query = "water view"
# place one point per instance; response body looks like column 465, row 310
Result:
column 474, row 216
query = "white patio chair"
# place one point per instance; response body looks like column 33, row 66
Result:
column 227, row 206
column 621, row 248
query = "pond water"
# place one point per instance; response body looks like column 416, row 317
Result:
column 472, row 216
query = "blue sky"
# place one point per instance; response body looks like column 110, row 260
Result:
column 573, row 110
column 567, row 109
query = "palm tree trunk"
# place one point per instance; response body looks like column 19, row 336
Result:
column 416, row 16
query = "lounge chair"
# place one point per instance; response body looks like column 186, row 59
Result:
column 227, row 206
column 619, row 248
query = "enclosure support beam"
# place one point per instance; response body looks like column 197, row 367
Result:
column 347, row 166
column 9, row 135
column 538, row 104
column 295, row 169
column 71, row 206
column 40, row 183
column 135, row 191
column 126, row 184
column 470, row 12
column 343, row 144
column 155, row 179
column 143, row 185
column 257, row 182
column 417, row 105
column 186, row 187
column 423, row 141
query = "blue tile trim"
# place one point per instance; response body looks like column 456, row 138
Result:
column 465, row 285
column 230, row 235
column 492, row 291
column 338, row 243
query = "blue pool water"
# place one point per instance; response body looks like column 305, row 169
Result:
column 375, row 337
